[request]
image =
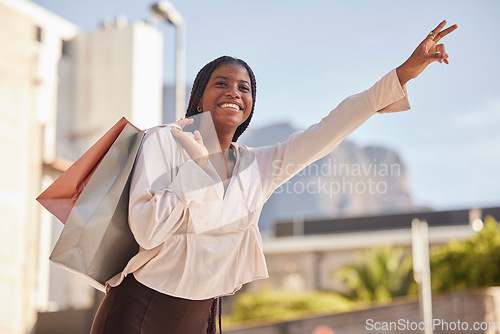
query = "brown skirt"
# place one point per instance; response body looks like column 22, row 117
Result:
column 132, row 308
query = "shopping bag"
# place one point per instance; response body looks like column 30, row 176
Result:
column 61, row 195
column 91, row 198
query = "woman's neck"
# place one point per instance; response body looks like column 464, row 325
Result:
column 216, row 140
column 217, row 145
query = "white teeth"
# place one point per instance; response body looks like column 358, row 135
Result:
column 230, row 105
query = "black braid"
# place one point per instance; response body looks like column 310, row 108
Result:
column 220, row 315
column 200, row 83
column 212, row 317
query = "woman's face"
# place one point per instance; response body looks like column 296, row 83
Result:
column 228, row 97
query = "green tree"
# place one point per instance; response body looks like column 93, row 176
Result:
column 281, row 305
column 475, row 262
column 379, row 274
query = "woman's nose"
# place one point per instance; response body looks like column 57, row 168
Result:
column 233, row 92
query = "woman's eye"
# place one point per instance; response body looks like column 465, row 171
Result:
column 220, row 83
column 245, row 88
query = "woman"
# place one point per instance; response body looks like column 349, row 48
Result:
column 194, row 207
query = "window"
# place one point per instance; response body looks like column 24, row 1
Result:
column 39, row 34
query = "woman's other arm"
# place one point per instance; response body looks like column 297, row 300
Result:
column 161, row 192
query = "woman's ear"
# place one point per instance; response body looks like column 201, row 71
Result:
column 200, row 104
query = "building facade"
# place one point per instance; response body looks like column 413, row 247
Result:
column 60, row 90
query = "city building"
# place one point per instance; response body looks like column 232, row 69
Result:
column 60, row 89
column 304, row 254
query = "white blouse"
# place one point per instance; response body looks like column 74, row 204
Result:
column 198, row 241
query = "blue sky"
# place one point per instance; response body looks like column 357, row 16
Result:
column 308, row 56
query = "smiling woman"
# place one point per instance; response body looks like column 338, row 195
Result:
column 215, row 76
column 195, row 198
column 228, row 98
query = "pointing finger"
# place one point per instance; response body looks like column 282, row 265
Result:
column 439, row 27
column 176, row 126
column 433, row 34
column 197, row 137
column 177, row 130
column 184, row 121
column 445, row 32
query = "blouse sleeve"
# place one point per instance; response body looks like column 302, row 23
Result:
column 161, row 192
column 279, row 163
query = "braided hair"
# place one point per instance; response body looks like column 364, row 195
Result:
column 200, row 83
column 212, row 317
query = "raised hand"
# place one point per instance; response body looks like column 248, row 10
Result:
column 426, row 52
column 193, row 146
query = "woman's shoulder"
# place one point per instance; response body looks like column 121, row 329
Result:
column 247, row 153
column 242, row 149
column 160, row 135
column 256, row 150
column 163, row 131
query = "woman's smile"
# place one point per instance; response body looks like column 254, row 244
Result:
column 233, row 106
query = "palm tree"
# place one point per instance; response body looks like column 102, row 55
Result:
column 379, row 274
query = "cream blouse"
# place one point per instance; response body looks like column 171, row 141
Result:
column 198, row 241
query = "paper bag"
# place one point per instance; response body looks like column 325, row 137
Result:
column 91, row 198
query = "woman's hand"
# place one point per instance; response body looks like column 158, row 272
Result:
column 425, row 53
column 193, row 146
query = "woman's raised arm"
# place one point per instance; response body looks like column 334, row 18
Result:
column 279, row 163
